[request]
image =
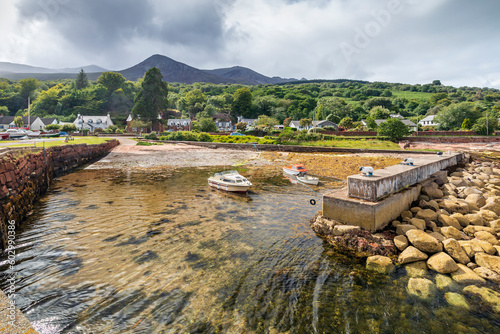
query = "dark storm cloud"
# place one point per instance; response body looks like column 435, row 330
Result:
column 94, row 26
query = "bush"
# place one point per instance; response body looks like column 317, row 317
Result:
column 98, row 130
column 393, row 128
column 151, row 136
column 330, row 128
column 52, row 127
column 69, row 128
column 205, row 137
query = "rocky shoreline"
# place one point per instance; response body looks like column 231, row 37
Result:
column 448, row 241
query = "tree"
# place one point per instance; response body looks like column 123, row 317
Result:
column 378, row 101
column 242, row 126
column 346, row 123
column 436, row 83
column 205, row 124
column 151, row 100
column 379, row 112
column 266, row 121
column 393, row 128
column 52, row 127
column 28, row 86
column 452, row 117
column 111, row 80
column 138, row 124
column 305, row 122
column 371, row 124
column 18, row 121
column 287, row 121
column 69, row 128
column 466, row 124
column 484, row 127
column 81, row 80
column 437, row 97
column 242, row 102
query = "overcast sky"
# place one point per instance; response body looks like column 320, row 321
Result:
column 409, row 41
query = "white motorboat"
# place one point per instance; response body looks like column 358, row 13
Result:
column 229, row 181
column 34, row 134
column 307, row 179
column 17, row 133
column 295, row 169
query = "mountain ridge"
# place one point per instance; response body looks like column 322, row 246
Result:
column 172, row 70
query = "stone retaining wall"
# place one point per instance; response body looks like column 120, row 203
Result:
column 25, row 175
column 453, row 140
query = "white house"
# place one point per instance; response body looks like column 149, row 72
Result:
column 7, row 122
column 315, row 124
column 428, row 121
column 92, row 123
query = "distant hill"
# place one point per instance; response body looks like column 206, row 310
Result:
column 246, row 76
column 172, row 70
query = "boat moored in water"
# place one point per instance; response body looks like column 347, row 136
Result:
column 307, row 179
column 295, row 169
column 229, row 181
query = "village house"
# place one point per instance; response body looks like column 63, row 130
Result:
column 223, row 122
column 7, row 122
column 428, row 121
column 249, row 121
column 179, row 124
column 315, row 124
column 92, row 123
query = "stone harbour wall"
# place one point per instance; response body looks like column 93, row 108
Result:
column 25, row 174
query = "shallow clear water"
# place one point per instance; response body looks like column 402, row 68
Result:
column 159, row 252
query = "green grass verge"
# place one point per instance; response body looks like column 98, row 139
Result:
column 78, row 140
column 412, row 95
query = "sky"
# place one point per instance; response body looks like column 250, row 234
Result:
column 407, row 41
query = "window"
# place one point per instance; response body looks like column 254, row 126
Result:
column 89, row 121
column 99, row 121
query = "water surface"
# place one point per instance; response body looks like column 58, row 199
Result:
column 110, row 251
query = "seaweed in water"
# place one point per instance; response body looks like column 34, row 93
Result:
column 145, row 257
column 113, row 238
column 92, row 207
column 152, row 232
column 132, row 240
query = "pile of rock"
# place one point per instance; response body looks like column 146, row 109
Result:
column 453, row 231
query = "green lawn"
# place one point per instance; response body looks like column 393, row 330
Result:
column 420, row 96
column 78, row 140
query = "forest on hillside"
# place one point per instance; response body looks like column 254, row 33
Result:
column 335, row 100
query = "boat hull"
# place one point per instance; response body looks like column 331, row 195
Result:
column 308, row 180
column 227, row 187
column 290, row 171
column 4, row 136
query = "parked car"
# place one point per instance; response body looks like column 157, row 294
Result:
column 236, row 134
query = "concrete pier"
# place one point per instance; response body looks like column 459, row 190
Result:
column 392, row 179
column 373, row 202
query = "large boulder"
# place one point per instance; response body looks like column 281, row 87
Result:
column 401, row 242
column 449, row 221
column 484, row 245
column 444, row 282
column 422, row 288
column 424, row 241
column 438, row 236
column 453, row 248
column 492, row 206
column 451, row 232
column 488, row 237
column 464, row 275
column 426, row 214
column 411, row 254
column 475, row 219
column 407, row 214
column 476, row 199
column 442, row 263
column 416, row 269
column 489, row 296
column 381, row 264
column 488, row 274
column 472, row 190
column 401, row 229
column 488, row 215
column 462, row 220
column 432, row 190
column 488, row 261
column 456, row 300
column 472, row 229
column 418, row 223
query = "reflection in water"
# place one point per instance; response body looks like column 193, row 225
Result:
column 136, row 252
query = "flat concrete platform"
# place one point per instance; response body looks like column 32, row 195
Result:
column 372, row 216
column 392, row 179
